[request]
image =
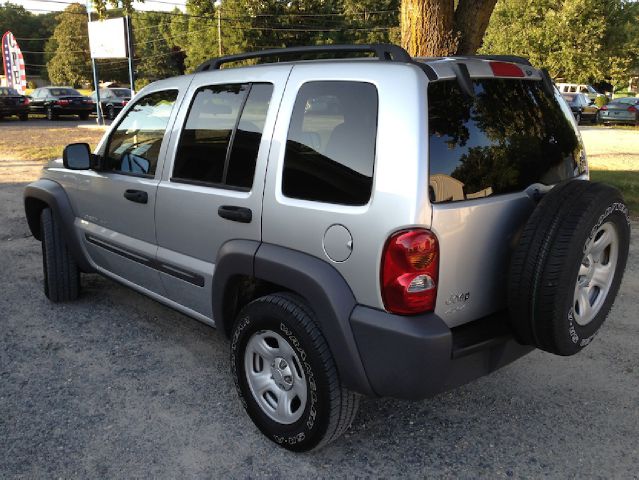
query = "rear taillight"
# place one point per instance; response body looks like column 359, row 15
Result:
column 505, row 69
column 124, row 102
column 24, row 101
column 603, row 107
column 632, row 108
column 410, row 269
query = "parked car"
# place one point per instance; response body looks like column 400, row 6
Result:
column 13, row 103
column 438, row 225
column 621, row 110
column 112, row 100
column 55, row 102
column 582, row 107
column 588, row 90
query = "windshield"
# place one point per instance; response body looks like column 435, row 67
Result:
column 8, row 91
column 122, row 92
column 510, row 135
column 60, row 92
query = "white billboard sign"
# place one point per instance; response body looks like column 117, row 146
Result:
column 107, row 38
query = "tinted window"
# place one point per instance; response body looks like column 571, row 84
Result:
column 59, row 92
column 121, row 92
column 330, row 151
column 510, row 135
column 222, row 134
column 134, row 146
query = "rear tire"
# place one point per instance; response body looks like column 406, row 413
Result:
column 285, row 374
column 83, row 116
column 568, row 265
column 23, row 117
column 110, row 113
column 61, row 273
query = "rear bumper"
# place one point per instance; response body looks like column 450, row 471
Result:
column 420, row 356
column 13, row 109
column 625, row 118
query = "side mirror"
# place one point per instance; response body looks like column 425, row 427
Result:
column 77, row 156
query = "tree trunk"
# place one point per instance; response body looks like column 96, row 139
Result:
column 427, row 27
column 433, row 28
column 471, row 21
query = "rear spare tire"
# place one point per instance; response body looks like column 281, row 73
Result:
column 566, row 270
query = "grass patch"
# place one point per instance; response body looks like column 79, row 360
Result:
column 627, row 182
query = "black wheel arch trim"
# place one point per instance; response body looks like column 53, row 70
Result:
column 43, row 193
column 321, row 285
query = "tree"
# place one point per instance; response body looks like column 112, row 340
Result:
column 439, row 28
column 31, row 31
column 155, row 48
column 71, row 63
column 371, row 21
column 576, row 40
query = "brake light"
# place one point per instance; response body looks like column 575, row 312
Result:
column 632, row 108
column 410, row 269
column 603, row 107
column 24, row 101
column 124, row 102
column 505, row 69
column 62, row 102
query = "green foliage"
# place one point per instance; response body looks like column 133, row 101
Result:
column 157, row 52
column 577, row 40
column 71, row 62
column 601, row 101
column 25, row 25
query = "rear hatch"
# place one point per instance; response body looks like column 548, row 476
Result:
column 496, row 144
column 618, row 111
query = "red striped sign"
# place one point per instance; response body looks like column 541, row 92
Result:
column 14, row 70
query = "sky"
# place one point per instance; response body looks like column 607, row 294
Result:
column 42, row 6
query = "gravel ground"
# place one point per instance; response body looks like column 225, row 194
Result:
column 117, row 386
column 610, row 148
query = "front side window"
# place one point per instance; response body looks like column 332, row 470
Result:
column 134, row 146
column 330, row 150
column 510, row 135
column 222, row 134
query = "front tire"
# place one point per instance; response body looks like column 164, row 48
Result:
column 110, row 113
column 51, row 114
column 285, row 374
column 61, row 273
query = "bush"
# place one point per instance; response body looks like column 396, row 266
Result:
column 601, row 101
column 31, row 85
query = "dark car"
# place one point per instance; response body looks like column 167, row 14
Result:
column 621, row 110
column 112, row 100
column 58, row 101
column 12, row 103
column 581, row 106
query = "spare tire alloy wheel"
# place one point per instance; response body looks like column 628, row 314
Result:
column 596, row 273
column 567, row 268
column 285, row 374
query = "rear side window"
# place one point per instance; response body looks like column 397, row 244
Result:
column 330, row 151
column 510, row 135
column 221, row 138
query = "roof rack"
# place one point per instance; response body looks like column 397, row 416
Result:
column 385, row 52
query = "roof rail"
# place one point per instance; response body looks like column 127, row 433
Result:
column 383, row 51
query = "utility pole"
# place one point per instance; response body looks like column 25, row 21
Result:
column 219, row 28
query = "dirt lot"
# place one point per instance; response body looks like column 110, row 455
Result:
column 115, row 386
column 611, row 148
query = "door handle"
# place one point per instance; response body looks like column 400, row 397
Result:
column 235, row 214
column 137, row 196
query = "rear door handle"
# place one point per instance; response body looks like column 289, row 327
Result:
column 137, row 196
column 235, row 214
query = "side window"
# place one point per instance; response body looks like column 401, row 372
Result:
column 222, row 134
column 134, row 146
column 330, row 150
column 572, row 89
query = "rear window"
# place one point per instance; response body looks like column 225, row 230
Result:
column 511, row 135
column 59, row 92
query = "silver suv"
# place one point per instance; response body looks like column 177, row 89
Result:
column 384, row 225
